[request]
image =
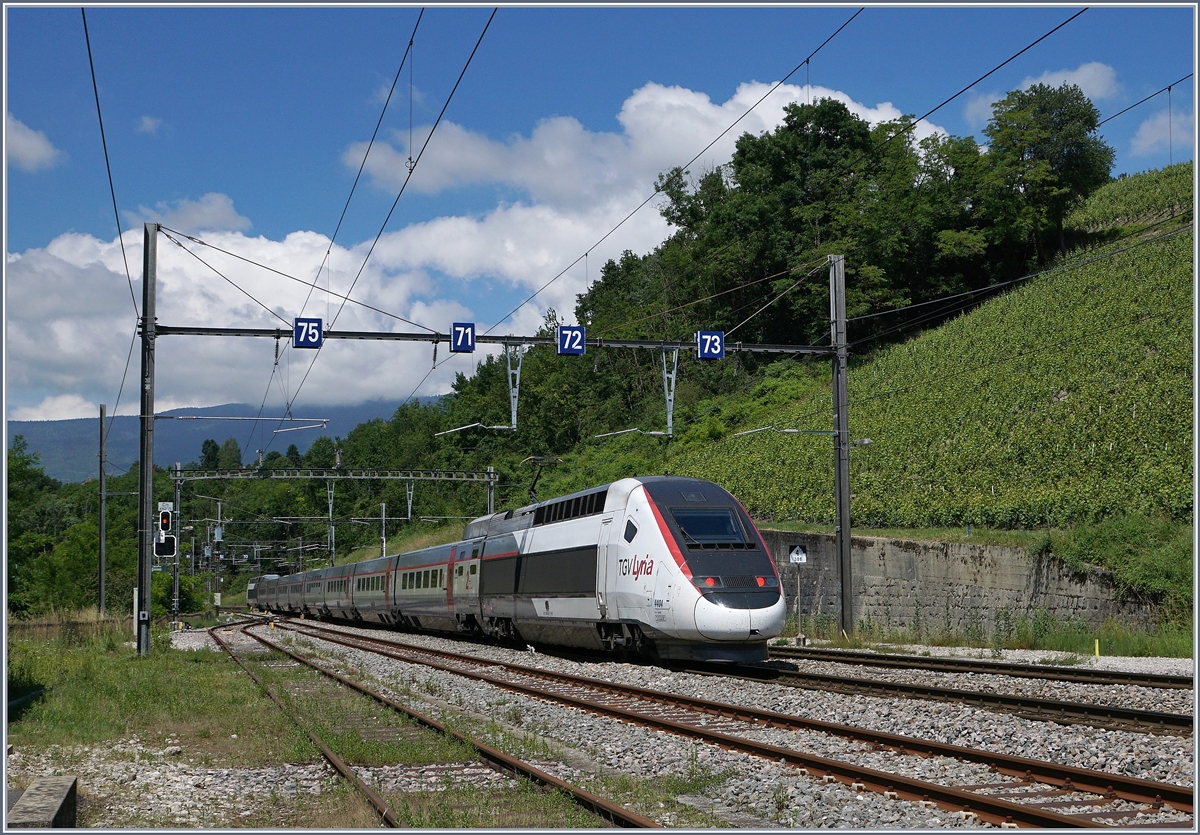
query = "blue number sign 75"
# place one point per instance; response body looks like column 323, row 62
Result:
column 307, row 333
column 571, row 340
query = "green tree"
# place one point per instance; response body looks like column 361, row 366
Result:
column 210, row 454
column 322, row 453
column 230, row 455
column 293, row 456
column 1045, row 159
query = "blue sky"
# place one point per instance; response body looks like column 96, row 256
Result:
column 248, row 125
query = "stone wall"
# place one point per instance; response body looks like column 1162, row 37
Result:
column 946, row 586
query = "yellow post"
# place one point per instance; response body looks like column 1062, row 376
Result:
column 1097, row 647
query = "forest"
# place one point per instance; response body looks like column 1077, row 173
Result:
column 957, row 255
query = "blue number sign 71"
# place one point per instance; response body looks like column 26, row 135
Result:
column 571, row 340
column 710, row 345
column 307, row 333
column 462, row 337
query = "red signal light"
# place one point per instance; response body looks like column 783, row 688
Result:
column 164, row 521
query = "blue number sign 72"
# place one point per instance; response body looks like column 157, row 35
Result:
column 571, row 340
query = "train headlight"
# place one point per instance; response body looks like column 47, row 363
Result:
column 761, row 581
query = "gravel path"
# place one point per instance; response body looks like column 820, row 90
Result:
column 144, row 786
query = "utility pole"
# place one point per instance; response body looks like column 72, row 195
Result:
column 178, row 539
column 146, row 514
column 103, row 507
column 383, row 529
column 332, row 541
column 491, row 488
column 841, row 440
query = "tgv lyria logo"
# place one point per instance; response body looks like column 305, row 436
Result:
column 637, row 566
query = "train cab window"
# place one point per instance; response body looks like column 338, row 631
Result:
column 630, row 531
column 475, row 569
column 458, row 571
column 709, row 526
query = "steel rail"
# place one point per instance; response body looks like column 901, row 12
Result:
column 597, row 805
column 385, row 812
column 1084, row 675
column 1127, row 788
column 994, row 810
column 1044, row 710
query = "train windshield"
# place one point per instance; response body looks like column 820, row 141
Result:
column 709, row 525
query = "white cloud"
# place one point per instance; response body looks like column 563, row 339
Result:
column 212, row 211
column 70, row 319
column 29, row 149
column 978, row 110
column 1098, row 81
column 565, row 165
column 148, row 124
column 57, row 407
column 1157, row 134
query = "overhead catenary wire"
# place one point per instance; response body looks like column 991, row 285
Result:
column 1040, row 274
column 913, row 124
column 230, row 281
column 116, row 215
column 403, row 186
column 367, row 153
column 657, row 191
column 1143, row 101
column 345, row 298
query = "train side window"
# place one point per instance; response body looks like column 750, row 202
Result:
column 403, row 581
column 441, row 578
column 630, row 531
column 458, row 571
column 475, row 569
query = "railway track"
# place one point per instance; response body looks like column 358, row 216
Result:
column 1109, row 717
column 1036, row 793
column 496, row 759
column 1082, row 675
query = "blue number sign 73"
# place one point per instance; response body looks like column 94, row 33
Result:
column 710, row 345
column 307, row 333
column 571, row 340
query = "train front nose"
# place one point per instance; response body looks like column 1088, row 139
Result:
column 743, row 617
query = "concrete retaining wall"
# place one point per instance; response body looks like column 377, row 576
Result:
column 947, row 586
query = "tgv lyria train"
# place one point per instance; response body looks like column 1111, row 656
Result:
column 663, row 566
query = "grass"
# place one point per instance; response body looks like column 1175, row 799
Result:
column 99, row 689
column 459, row 806
column 411, row 539
column 977, row 536
column 1173, row 639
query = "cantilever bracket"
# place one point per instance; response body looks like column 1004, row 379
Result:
column 669, row 386
column 514, row 378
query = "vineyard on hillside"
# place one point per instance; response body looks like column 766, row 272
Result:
column 1142, row 197
column 1066, row 401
